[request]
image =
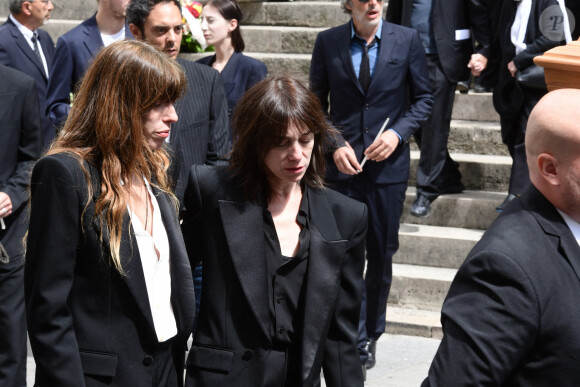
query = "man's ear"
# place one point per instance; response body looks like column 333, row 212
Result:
column 25, row 7
column 136, row 31
column 548, row 168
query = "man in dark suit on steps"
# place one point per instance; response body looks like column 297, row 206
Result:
column 200, row 135
column 445, row 28
column 371, row 69
column 20, row 130
column 76, row 49
column 27, row 48
column 511, row 315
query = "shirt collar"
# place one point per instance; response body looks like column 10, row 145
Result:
column 377, row 34
column 23, row 29
column 572, row 225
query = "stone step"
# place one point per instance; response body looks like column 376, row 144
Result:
column 435, row 246
column 474, row 107
column 474, row 210
column 480, row 172
column 304, row 13
column 414, row 322
column 478, row 137
column 280, row 39
column 420, row 287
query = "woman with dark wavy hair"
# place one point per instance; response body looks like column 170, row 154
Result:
column 283, row 256
column 108, row 285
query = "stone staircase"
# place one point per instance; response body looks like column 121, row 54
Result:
column 282, row 35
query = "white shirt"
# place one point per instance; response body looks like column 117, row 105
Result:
column 110, row 39
column 28, row 36
column 572, row 225
column 156, row 270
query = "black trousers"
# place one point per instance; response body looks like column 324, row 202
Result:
column 12, row 324
column 436, row 169
column 385, row 203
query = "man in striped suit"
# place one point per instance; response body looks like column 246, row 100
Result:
column 200, row 136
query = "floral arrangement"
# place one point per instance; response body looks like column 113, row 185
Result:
column 193, row 40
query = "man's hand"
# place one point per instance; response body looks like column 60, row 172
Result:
column 477, row 64
column 512, row 68
column 5, row 205
column 346, row 161
column 383, row 147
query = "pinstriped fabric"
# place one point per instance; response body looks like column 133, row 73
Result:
column 200, row 135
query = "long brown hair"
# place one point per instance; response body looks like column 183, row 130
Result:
column 105, row 127
column 261, row 121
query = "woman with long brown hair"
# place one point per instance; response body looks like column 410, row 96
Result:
column 282, row 256
column 109, row 291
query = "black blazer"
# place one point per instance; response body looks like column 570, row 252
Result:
column 511, row 315
column 200, row 135
column 400, row 67
column 15, row 52
column 87, row 324
column 232, row 339
column 20, row 146
column 240, row 74
column 447, row 17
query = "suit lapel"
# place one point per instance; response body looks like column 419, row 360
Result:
column 128, row 251
column 181, row 278
column 92, row 41
column 385, row 50
column 248, row 255
column 322, row 281
column 553, row 224
column 345, row 54
column 25, row 48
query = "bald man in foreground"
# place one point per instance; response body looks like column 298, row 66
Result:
column 512, row 315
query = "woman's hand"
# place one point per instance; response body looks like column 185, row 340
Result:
column 512, row 68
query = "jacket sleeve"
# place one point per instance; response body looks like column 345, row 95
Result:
column 341, row 362
column 490, row 320
column 52, row 243
column 218, row 124
column 192, row 224
column 60, row 85
column 16, row 187
column 419, row 86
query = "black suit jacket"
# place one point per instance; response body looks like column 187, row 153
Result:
column 447, row 17
column 511, row 315
column 75, row 51
column 400, row 65
column 232, row 339
column 15, row 52
column 20, row 129
column 87, row 324
column 200, row 135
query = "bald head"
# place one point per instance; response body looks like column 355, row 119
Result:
column 553, row 147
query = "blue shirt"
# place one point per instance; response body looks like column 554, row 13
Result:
column 356, row 49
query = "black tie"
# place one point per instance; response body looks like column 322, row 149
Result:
column 35, row 45
column 364, row 76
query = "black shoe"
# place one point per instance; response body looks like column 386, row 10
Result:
column 453, row 188
column 463, row 86
column 421, row 206
column 503, row 205
column 371, row 348
column 481, row 89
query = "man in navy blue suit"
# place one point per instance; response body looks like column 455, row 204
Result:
column 76, row 49
column 372, row 70
column 25, row 47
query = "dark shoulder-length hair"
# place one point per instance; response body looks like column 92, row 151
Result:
column 230, row 10
column 105, row 126
column 261, row 121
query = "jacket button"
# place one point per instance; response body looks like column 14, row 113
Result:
column 367, row 106
column 147, row 361
column 248, row 354
column 366, row 130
